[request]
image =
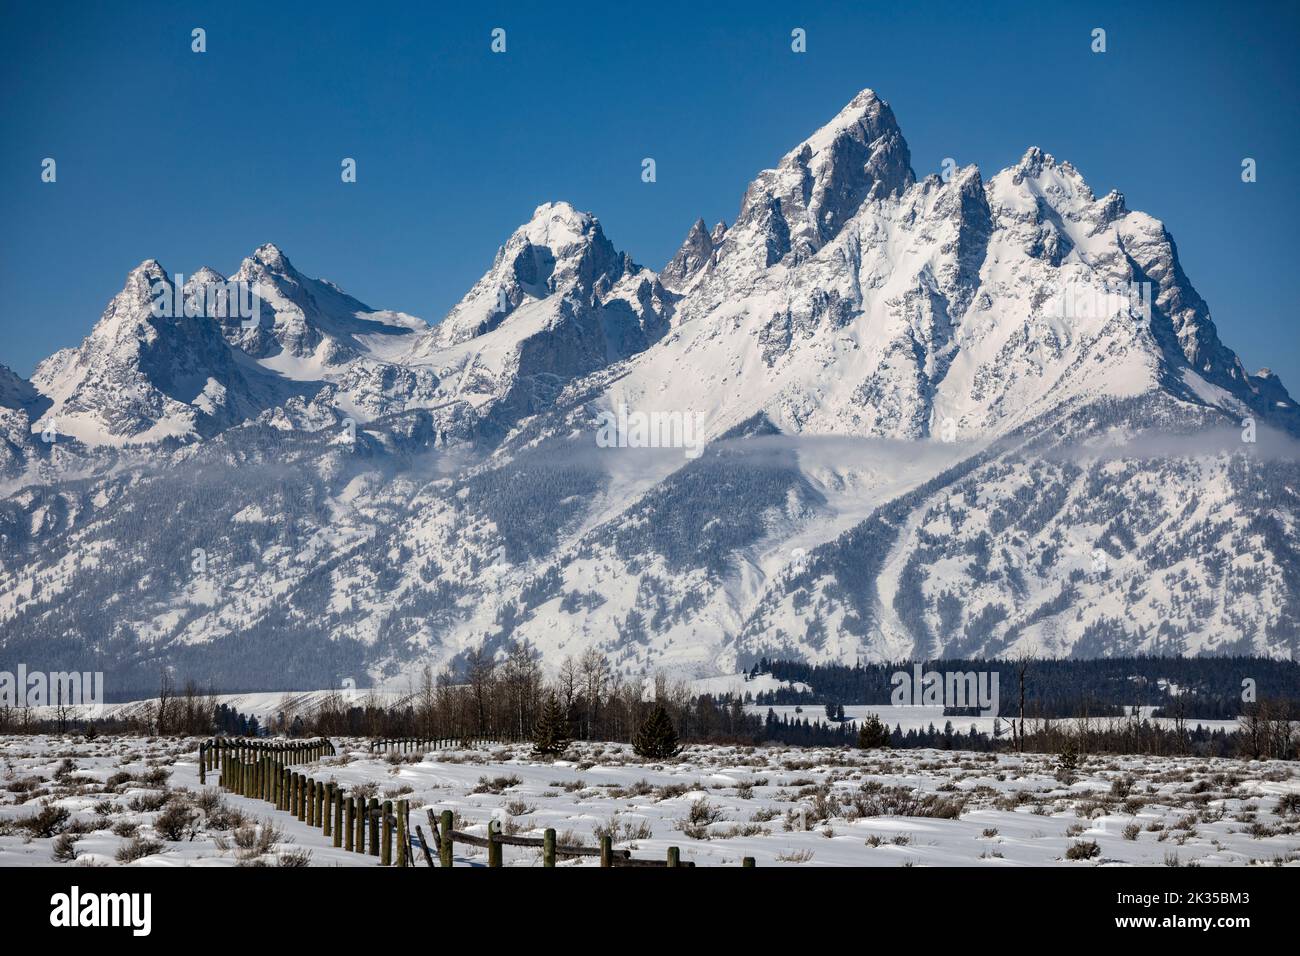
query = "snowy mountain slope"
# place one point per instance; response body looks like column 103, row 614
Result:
column 1099, row 543
column 973, row 416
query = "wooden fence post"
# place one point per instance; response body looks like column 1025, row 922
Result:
column 494, row 845
column 373, row 814
column 674, row 856
column 403, row 838
column 747, row 861
column 424, row 846
column 359, row 821
column 444, row 845
column 336, row 801
column 386, row 824
column 548, row 847
column 606, row 851
column 349, row 825
column 203, row 766
column 328, row 820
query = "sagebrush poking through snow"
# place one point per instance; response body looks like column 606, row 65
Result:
column 780, row 805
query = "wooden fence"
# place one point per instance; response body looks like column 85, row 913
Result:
column 416, row 744
column 214, row 753
column 445, row 838
column 262, row 770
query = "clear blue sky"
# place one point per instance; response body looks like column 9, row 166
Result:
column 197, row 159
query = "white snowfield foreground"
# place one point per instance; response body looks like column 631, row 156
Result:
column 780, row 805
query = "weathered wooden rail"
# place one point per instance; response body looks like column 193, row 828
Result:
column 445, row 838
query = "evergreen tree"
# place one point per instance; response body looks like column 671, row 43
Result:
column 873, row 733
column 656, row 739
column 549, row 733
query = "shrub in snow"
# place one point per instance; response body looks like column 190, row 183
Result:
column 64, row 850
column 1083, row 850
column 137, row 847
column 46, row 822
column 174, row 823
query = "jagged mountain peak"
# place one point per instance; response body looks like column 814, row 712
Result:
column 695, row 254
column 149, row 267
column 308, row 325
column 204, row 275
column 864, row 118
column 146, row 371
column 558, row 250
column 272, row 256
column 558, row 225
column 796, row 208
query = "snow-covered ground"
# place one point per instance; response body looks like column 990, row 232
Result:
column 781, row 805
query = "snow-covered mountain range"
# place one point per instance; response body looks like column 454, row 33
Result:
column 949, row 416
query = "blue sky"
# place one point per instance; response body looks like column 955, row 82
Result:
column 197, row 159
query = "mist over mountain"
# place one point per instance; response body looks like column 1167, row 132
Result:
column 955, row 416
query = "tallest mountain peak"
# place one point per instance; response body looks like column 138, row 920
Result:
column 860, row 155
column 865, row 112
column 865, row 129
